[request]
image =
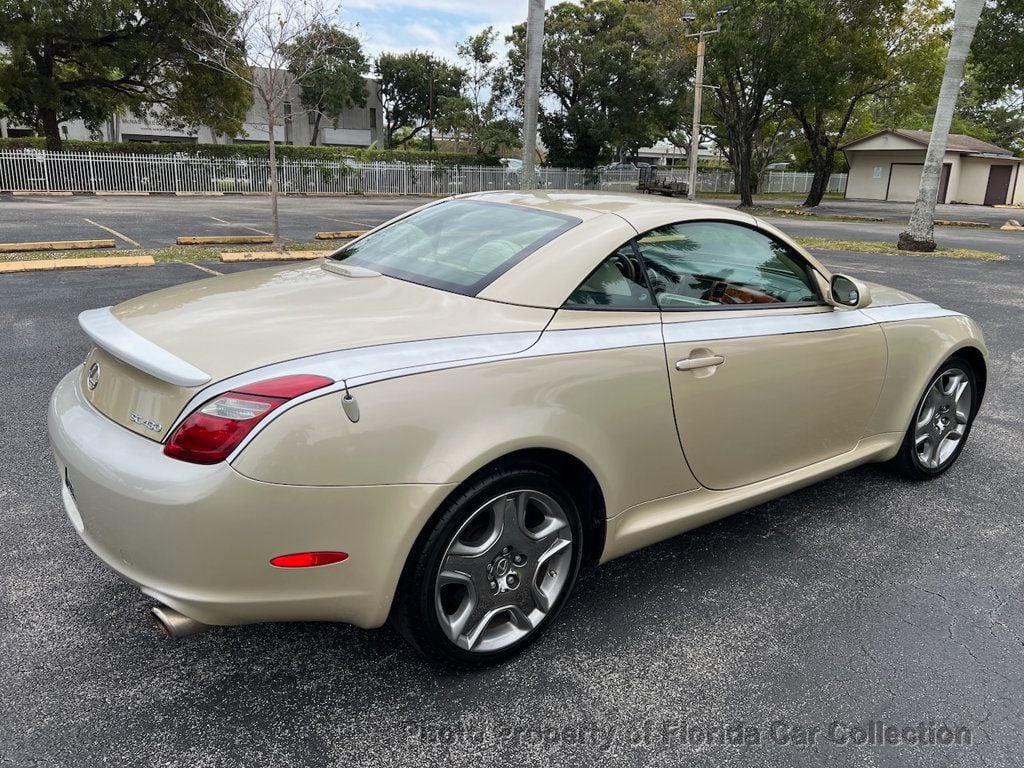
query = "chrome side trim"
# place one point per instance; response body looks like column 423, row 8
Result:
column 380, row 360
column 778, row 325
column 768, row 325
column 126, row 345
column 898, row 312
column 366, row 365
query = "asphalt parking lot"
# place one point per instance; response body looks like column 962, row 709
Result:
column 155, row 221
column 863, row 599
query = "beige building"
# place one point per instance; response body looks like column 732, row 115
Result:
column 887, row 166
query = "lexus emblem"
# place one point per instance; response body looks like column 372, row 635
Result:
column 93, row 379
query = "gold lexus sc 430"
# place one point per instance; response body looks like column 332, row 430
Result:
column 440, row 423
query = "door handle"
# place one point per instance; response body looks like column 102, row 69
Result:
column 692, row 363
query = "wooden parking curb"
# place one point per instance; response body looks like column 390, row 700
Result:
column 89, row 262
column 40, row 193
column 345, row 234
column 235, row 256
column 225, row 240
column 56, row 245
column 99, row 193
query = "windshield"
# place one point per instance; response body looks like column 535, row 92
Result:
column 460, row 246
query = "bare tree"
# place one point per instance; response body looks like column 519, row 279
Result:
column 268, row 30
column 920, row 233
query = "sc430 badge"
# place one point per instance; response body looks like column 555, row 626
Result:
column 155, row 426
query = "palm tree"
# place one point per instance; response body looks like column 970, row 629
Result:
column 920, row 233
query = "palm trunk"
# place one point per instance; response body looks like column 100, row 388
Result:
column 920, row 233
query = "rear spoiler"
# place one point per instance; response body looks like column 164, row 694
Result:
column 110, row 334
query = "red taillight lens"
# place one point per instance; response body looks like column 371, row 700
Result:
column 211, row 433
column 308, row 559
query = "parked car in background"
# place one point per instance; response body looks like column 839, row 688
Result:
column 440, row 423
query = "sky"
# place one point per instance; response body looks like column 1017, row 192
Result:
column 428, row 25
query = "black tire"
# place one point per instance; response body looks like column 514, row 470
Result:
column 413, row 613
column 907, row 462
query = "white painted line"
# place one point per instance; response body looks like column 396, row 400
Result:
column 833, row 268
column 202, row 268
column 349, row 221
column 242, row 226
column 114, row 232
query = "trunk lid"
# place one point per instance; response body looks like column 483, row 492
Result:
column 229, row 325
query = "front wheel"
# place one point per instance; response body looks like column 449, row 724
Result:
column 941, row 423
column 492, row 571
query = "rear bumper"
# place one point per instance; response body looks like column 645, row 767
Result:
column 199, row 538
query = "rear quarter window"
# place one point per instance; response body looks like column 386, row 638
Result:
column 460, row 246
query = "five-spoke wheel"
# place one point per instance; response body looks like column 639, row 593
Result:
column 496, row 567
column 941, row 422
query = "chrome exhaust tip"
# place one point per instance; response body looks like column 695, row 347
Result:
column 176, row 625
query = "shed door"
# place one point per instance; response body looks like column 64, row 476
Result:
column 998, row 184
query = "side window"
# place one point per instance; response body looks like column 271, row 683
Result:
column 617, row 283
column 714, row 263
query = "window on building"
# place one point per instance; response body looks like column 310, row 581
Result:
column 373, row 117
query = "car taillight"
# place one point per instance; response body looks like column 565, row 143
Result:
column 210, row 433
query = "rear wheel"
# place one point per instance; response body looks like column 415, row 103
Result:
column 941, row 423
column 493, row 571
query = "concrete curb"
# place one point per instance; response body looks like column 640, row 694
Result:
column 236, row 256
column 90, row 262
column 28, row 193
column 121, row 194
column 955, row 223
column 56, row 245
column 225, row 240
column 345, row 234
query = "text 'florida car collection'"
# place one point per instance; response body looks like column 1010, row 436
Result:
column 441, row 422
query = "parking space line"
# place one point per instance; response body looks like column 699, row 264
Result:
column 242, row 226
column 114, row 232
column 348, row 221
column 202, row 268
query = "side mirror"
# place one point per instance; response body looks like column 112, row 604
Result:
column 847, row 292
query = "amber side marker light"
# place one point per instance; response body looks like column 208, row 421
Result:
column 308, row 559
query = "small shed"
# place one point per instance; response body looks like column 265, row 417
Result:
column 887, row 166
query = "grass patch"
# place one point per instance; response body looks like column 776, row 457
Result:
column 185, row 253
column 877, row 246
column 805, row 213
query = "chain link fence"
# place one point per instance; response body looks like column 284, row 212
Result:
column 83, row 172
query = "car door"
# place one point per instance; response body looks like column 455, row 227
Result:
column 765, row 376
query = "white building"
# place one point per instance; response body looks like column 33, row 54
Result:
column 356, row 127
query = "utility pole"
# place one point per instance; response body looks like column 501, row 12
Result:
column 531, row 101
column 698, row 91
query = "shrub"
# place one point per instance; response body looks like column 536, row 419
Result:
column 241, row 151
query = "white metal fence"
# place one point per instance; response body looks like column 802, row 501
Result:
column 799, row 182
column 40, row 171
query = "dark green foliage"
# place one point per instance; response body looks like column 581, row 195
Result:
column 89, row 59
column 286, row 151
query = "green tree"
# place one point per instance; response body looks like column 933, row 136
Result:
column 413, row 87
column 610, row 79
column 90, row 59
column 852, row 47
column 483, row 120
column 335, row 78
column 745, row 63
column 995, row 98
